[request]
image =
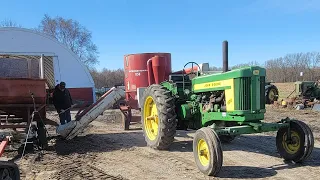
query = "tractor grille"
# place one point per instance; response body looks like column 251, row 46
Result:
column 262, row 92
column 245, row 94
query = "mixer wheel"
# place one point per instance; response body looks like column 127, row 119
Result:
column 207, row 151
column 158, row 117
column 42, row 135
column 297, row 148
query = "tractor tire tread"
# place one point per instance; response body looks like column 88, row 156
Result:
column 166, row 113
column 268, row 101
column 307, row 138
column 214, row 144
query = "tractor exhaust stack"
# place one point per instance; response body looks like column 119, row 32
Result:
column 225, row 56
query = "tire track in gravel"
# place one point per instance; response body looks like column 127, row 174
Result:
column 248, row 157
column 106, row 151
column 79, row 168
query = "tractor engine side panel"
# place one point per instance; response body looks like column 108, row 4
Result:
column 243, row 94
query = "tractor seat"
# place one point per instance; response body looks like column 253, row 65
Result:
column 179, row 78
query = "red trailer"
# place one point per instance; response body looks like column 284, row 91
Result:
column 19, row 98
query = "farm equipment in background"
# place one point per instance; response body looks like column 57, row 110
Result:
column 307, row 90
column 220, row 107
column 305, row 94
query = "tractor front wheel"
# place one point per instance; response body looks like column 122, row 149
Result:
column 158, row 117
column 207, row 151
column 298, row 146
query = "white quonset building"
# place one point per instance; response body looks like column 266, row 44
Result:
column 20, row 54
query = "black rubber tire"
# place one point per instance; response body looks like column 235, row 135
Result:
column 215, row 150
column 306, row 142
column 276, row 91
column 310, row 139
column 125, row 122
column 227, row 138
column 165, row 103
column 42, row 135
column 11, row 169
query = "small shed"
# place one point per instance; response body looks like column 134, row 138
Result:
column 20, row 53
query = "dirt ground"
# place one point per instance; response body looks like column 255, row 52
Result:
column 285, row 89
column 105, row 151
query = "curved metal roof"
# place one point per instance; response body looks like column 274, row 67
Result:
column 64, row 65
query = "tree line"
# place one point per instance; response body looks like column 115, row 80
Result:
column 78, row 39
column 291, row 67
column 107, row 77
column 279, row 70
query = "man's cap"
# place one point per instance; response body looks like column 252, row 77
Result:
column 62, row 84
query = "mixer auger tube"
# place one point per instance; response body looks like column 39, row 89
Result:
column 73, row 128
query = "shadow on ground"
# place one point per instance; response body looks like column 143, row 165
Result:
column 88, row 143
column 249, row 143
column 266, row 145
column 250, row 172
column 98, row 143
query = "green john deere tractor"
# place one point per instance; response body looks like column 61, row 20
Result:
column 220, row 107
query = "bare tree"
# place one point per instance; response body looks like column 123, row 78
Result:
column 252, row 63
column 107, row 78
column 282, row 69
column 214, row 68
column 288, row 68
column 75, row 36
column 9, row 23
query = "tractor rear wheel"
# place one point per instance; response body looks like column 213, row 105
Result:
column 158, row 117
column 207, row 151
column 272, row 94
column 297, row 148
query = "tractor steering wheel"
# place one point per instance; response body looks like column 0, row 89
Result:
column 192, row 71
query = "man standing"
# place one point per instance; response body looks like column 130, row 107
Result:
column 62, row 101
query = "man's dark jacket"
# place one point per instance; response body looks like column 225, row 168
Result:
column 61, row 99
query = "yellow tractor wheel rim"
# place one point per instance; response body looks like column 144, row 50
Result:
column 203, row 152
column 151, row 119
column 271, row 94
column 293, row 147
